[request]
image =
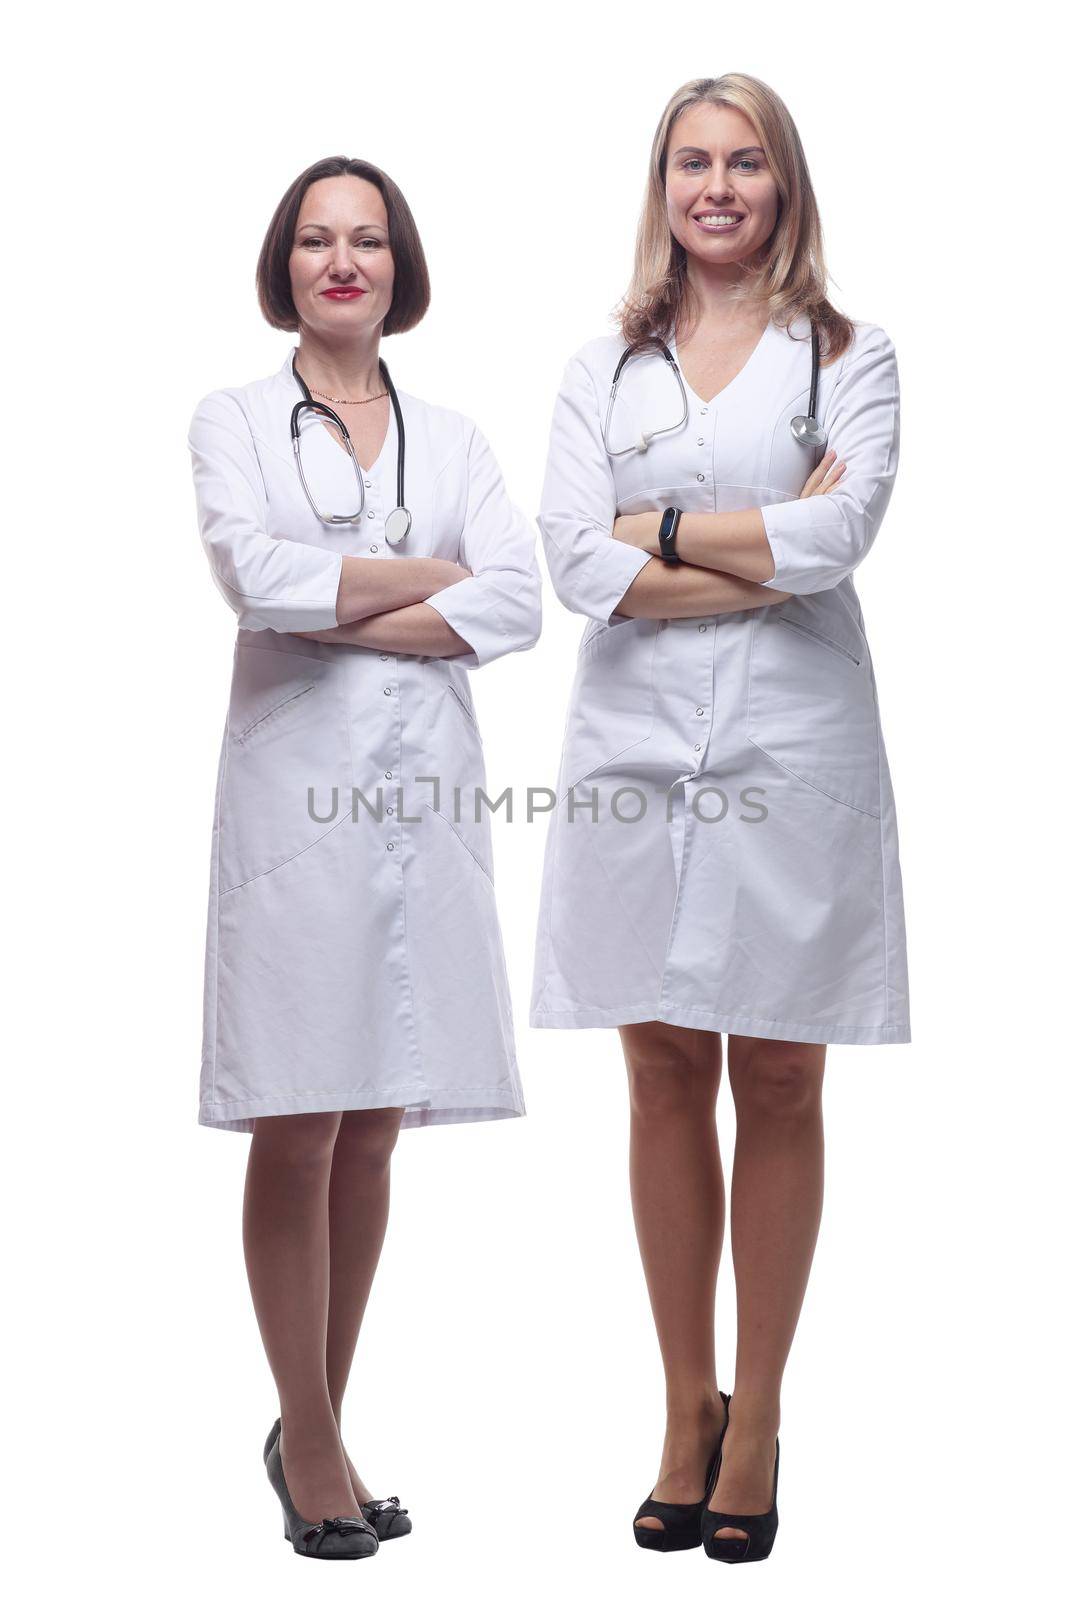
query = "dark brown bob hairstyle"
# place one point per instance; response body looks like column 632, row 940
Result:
column 411, row 283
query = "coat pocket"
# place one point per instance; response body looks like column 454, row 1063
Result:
column 611, row 705
column 289, row 699
column 455, row 758
column 812, row 708
column 465, row 705
column 475, row 839
column 287, row 762
column 820, row 638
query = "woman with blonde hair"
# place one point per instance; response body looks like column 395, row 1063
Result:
column 723, row 855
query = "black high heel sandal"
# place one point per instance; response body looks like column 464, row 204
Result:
column 388, row 1518
column 681, row 1523
column 332, row 1539
column 758, row 1527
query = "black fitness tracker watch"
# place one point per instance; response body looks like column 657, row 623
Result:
column 668, row 535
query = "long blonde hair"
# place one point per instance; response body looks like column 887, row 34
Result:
column 788, row 275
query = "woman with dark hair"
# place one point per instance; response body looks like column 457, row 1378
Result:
column 355, row 978
column 728, row 859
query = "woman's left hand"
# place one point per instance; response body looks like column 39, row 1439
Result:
column 640, row 530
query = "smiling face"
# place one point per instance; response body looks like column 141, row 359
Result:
column 715, row 170
column 341, row 265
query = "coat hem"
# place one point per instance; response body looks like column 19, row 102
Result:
column 721, row 1022
column 474, row 1105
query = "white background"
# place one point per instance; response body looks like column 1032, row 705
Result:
column 508, row 1386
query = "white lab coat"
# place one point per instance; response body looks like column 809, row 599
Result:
column 772, row 907
column 352, row 964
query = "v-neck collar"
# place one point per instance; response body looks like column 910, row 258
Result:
column 752, row 360
column 286, row 371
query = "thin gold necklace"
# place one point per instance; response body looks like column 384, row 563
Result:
column 339, row 400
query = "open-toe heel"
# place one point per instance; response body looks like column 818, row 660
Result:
column 681, row 1523
column 759, row 1528
column 332, row 1539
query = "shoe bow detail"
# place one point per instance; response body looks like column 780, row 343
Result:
column 341, row 1525
column 375, row 1507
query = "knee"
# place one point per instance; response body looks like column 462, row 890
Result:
column 667, row 1080
column 777, row 1079
column 366, row 1139
column 300, row 1145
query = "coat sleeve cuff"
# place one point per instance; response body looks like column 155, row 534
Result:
column 775, row 540
column 308, row 603
column 461, row 606
column 609, row 577
column 808, row 540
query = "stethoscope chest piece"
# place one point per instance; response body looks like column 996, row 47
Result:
column 806, row 430
column 397, row 525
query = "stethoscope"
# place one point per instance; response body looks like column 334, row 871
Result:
column 398, row 522
column 805, row 430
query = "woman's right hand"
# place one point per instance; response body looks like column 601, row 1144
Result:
column 827, row 476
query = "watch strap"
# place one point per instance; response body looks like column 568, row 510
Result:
column 668, row 535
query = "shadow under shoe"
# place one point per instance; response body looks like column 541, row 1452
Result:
column 332, row 1539
column 758, row 1527
column 681, row 1523
column 388, row 1518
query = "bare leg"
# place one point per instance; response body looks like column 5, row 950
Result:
column 287, row 1253
column 676, row 1185
column 359, row 1210
column 775, row 1208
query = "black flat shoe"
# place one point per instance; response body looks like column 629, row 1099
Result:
column 758, row 1527
column 388, row 1518
column 681, row 1523
column 332, row 1539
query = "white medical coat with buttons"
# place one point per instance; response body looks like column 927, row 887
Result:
column 353, row 953
column 723, row 853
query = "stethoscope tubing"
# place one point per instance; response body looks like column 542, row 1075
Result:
column 805, row 430
column 645, row 438
column 327, row 411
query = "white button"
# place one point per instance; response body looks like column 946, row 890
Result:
column 383, row 658
column 373, row 549
column 388, row 774
column 389, row 809
column 388, row 691
column 696, row 747
column 703, row 411
column 700, row 711
column 390, row 847
column 370, row 513
column 703, row 628
column 699, row 441
column 700, row 477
